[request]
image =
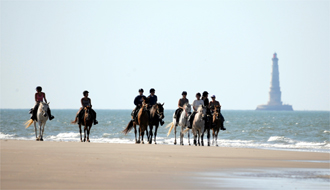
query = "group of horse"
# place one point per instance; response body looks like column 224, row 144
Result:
column 42, row 117
column 203, row 122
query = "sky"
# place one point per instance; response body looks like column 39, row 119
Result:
column 113, row 48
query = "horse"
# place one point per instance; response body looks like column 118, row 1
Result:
column 156, row 114
column 183, row 122
column 218, row 124
column 42, row 118
column 142, row 121
column 198, row 124
column 86, row 121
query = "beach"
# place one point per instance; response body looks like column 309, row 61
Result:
column 75, row 165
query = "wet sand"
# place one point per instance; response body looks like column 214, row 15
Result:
column 75, row 165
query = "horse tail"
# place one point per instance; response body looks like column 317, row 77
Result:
column 28, row 123
column 128, row 128
column 172, row 126
column 185, row 131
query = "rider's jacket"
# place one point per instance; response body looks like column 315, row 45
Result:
column 152, row 100
column 138, row 100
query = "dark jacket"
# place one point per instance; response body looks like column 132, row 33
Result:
column 138, row 100
column 152, row 100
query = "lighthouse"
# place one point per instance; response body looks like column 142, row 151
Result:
column 275, row 102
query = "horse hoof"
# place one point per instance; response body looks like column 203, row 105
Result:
column 142, row 142
column 174, row 143
column 41, row 139
column 217, row 145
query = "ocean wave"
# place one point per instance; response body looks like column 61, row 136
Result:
column 280, row 139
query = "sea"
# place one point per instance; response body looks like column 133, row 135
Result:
column 280, row 130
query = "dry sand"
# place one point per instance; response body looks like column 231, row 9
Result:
column 75, row 165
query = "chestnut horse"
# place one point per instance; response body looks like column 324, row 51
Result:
column 156, row 114
column 142, row 120
column 86, row 121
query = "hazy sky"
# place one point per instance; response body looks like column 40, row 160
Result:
column 113, row 48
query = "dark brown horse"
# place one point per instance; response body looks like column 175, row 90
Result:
column 218, row 124
column 156, row 114
column 142, row 120
column 86, row 121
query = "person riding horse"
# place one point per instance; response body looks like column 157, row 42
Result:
column 152, row 99
column 196, row 104
column 39, row 97
column 181, row 103
column 85, row 101
column 216, row 104
column 138, row 103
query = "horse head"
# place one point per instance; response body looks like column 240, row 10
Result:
column 160, row 110
column 43, row 108
column 215, row 114
column 87, row 114
column 202, row 110
column 187, row 108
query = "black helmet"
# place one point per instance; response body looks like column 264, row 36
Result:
column 198, row 94
column 152, row 90
column 85, row 92
column 184, row 93
column 39, row 88
column 141, row 90
column 205, row 93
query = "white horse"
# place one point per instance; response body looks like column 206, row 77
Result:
column 198, row 124
column 42, row 118
column 183, row 122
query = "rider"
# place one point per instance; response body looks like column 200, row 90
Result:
column 39, row 97
column 138, row 103
column 152, row 99
column 216, row 104
column 195, row 105
column 85, row 101
column 181, row 103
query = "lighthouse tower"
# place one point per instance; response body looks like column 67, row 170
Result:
column 275, row 102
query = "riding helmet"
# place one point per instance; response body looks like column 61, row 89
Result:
column 184, row 93
column 213, row 96
column 39, row 88
column 198, row 94
column 141, row 90
column 205, row 93
column 85, row 92
column 152, row 90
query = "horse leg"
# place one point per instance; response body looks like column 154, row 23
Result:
column 156, row 129
column 88, row 132
column 42, row 132
column 199, row 137
column 208, row 137
column 135, row 131
column 35, row 130
column 141, row 134
column 85, row 131
column 175, row 125
column 213, row 133
column 216, row 137
column 189, row 137
column 150, row 134
column 80, row 133
column 40, row 129
column 202, row 137
column 181, row 136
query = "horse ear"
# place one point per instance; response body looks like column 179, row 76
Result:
column 163, row 103
column 48, row 103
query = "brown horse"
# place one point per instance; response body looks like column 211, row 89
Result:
column 156, row 114
column 142, row 121
column 86, row 121
column 218, row 124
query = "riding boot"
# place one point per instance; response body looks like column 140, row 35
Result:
column 161, row 122
column 49, row 114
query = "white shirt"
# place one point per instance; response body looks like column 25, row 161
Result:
column 197, row 103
